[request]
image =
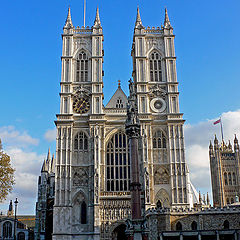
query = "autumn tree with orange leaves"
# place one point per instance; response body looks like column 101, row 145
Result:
column 6, row 174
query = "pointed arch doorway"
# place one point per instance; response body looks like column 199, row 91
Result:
column 119, row 233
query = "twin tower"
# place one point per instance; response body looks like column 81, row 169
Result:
column 92, row 173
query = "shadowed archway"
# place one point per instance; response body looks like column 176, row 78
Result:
column 119, row 233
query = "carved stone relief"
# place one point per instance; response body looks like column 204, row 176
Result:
column 80, row 177
column 161, row 176
column 154, row 43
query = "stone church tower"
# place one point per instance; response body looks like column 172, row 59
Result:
column 225, row 166
column 92, row 176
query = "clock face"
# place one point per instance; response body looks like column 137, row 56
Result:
column 158, row 105
column 81, row 105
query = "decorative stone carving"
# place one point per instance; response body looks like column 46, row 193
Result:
column 84, row 43
column 155, row 43
column 163, row 197
column 80, row 177
column 161, row 176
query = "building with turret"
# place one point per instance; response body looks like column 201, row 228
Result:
column 45, row 200
column 224, row 165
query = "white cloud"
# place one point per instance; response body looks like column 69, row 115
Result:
column 10, row 136
column 197, row 139
column 50, row 135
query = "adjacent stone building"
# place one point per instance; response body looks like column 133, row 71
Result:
column 225, row 166
column 45, row 200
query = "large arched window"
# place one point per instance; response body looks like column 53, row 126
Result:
column 225, row 179
column 7, row 230
column 155, row 67
column 82, row 67
column 83, row 213
column 118, row 163
column 81, row 142
column 159, row 140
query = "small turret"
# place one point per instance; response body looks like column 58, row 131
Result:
column 167, row 23
column 208, row 201
column 200, row 198
column 138, row 23
column 215, row 142
column 236, row 146
column 68, row 23
column 97, row 22
column 229, row 145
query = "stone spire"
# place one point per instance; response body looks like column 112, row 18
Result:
column 44, row 166
column 236, row 146
column 208, row 201
column 49, row 155
column 68, row 23
column 138, row 19
column 167, row 23
column 97, row 22
column 210, row 145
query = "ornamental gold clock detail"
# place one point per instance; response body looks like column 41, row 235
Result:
column 81, row 105
column 158, row 105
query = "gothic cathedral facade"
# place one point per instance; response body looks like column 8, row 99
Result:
column 92, row 174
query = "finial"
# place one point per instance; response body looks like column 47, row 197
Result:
column 49, row 154
column 167, row 23
column 200, row 198
column 208, row 201
column 68, row 23
column 235, row 139
column 97, row 22
column 119, row 83
column 138, row 19
column 210, row 145
column 215, row 139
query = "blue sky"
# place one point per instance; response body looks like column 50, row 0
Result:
column 207, row 49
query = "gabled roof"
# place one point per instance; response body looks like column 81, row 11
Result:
column 119, row 94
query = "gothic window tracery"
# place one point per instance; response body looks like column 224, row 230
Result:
column 117, row 163
column 155, row 67
column 81, row 142
column 225, row 179
column 230, row 178
column 234, row 179
column 194, row 225
column 82, row 67
column 159, row 140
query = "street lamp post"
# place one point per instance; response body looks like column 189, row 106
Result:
column 15, row 219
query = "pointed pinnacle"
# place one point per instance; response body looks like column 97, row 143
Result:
column 97, row 22
column 49, row 154
column 68, row 23
column 138, row 19
column 167, row 23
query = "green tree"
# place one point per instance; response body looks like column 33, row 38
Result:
column 7, row 179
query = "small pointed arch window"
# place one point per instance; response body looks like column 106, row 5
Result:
column 155, row 66
column 232, row 200
column 81, row 142
column 194, row 225
column 82, row 67
column 159, row 140
column 159, row 204
column 119, row 103
column 228, row 202
column 229, row 178
column 234, row 179
column 83, row 213
column 179, row 226
column 225, row 179
column 226, row 224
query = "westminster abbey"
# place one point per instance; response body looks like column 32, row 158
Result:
column 92, row 165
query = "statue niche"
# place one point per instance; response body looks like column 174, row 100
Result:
column 80, row 178
column 161, row 176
